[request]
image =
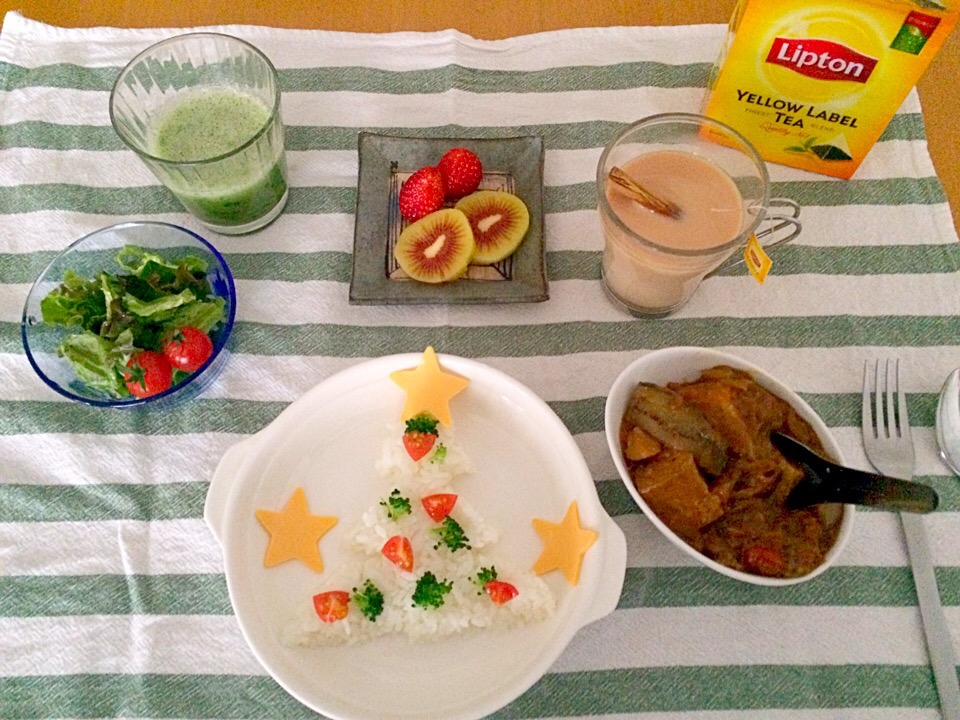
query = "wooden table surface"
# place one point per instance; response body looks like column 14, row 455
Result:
column 488, row 19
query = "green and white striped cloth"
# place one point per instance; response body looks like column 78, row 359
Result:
column 112, row 596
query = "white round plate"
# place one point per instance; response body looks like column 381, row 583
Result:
column 527, row 466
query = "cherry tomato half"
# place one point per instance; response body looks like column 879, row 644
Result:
column 500, row 592
column 764, row 560
column 418, row 444
column 439, row 506
column 188, row 348
column 399, row 551
column 148, row 373
column 331, row 605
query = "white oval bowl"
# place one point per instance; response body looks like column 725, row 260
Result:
column 681, row 364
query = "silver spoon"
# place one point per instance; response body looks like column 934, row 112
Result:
column 948, row 421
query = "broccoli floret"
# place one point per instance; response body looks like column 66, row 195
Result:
column 451, row 534
column 439, row 454
column 430, row 592
column 369, row 600
column 422, row 423
column 486, row 574
column 396, row 505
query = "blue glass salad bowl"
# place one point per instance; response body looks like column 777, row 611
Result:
column 109, row 253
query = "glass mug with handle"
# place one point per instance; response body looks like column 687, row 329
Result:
column 653, row 261
column 202, row 111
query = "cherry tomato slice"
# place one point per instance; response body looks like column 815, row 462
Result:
column 188, row 348
column 501, row 592
column 439, row 506
column 399, row 551
column 331, row 605
column 418, row 444
column 148, row 373
column 764, row 560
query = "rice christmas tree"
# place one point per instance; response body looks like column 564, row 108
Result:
column 424, row 558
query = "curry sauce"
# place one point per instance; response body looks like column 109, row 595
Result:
column 700, row 455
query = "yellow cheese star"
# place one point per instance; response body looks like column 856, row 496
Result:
column 564, row 544
column 295, row 533
column 429, row 389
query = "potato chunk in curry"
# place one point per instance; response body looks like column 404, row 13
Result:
column 674, row 486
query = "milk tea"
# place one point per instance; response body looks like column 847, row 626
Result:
column 657, row 281
column 812, row 84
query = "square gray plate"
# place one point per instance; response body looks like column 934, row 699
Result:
column 513, row 164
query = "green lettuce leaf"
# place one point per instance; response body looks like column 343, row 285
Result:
column 74, row 303
column 165, row 276
column 203, row 315
column 117, row 319
column 137, row 261
column 98, row 362
column 163, row 304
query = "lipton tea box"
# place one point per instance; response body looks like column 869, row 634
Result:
column 813, row 83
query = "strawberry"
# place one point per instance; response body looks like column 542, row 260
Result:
column 420, row 435
column 461, row 171
column 421, row 194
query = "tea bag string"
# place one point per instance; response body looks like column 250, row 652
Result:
column 644, row 197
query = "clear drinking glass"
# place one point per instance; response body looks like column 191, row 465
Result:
column 652, row 266
column 202, row 111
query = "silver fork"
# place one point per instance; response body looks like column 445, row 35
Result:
column 889, row 446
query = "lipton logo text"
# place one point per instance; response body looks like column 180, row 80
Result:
column 821, row 59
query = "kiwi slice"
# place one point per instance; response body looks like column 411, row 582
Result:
column 499, row 221
column 436, row 248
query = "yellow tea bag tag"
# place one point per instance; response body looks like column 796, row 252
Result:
column 758, row 262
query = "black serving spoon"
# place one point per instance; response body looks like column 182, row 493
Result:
column 827, row 482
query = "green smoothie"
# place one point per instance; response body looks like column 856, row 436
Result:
column 220, row 189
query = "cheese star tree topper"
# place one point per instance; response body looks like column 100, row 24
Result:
column 429, row 389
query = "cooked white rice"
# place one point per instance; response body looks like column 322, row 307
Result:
column 375, row 527
column 467, row 605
